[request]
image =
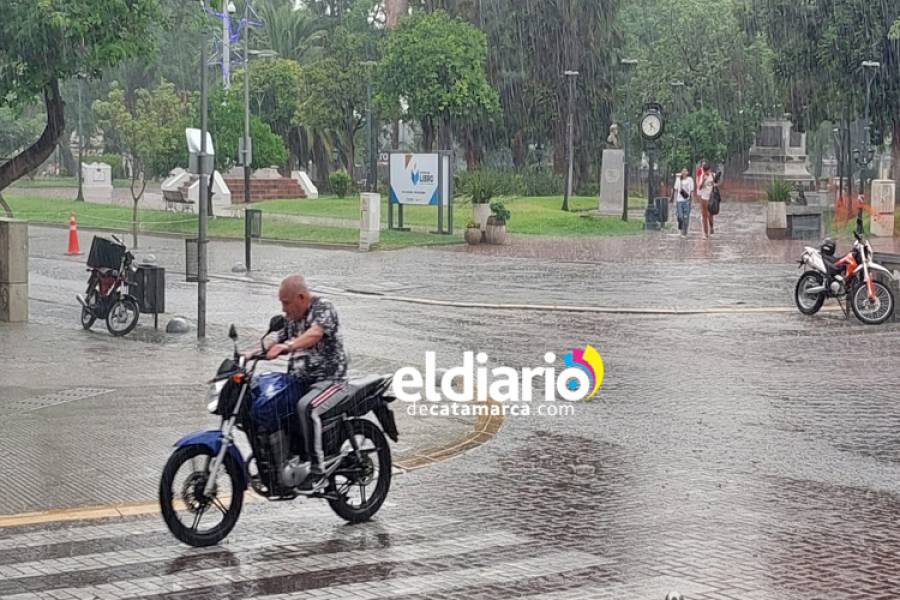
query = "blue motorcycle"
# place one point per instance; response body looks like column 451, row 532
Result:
column 203, row 483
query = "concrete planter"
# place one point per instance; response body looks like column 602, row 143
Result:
column 776, row 220
column 473, row 236
column 495, row 234
column 480, row 214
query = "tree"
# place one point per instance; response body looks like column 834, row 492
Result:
column 226, row 126
column 435, row 65
column 151, row 132
column 275, row 97
column 336, row 86
column 698, row 135
column 731, row 78
column 819, row 49
column 47, row 42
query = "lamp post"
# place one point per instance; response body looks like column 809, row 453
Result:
column 837, row 139
column 570, row 75
column 201, row 237
column 80, row 196
column 371, row 166
column 627, row 64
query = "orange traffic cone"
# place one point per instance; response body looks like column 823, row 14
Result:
column 73, row 236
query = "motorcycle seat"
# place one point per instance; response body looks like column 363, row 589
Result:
column 831, row 267
column 349, row 397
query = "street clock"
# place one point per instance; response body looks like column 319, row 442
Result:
column 652, row 122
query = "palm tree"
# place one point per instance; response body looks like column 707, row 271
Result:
column 296, row 34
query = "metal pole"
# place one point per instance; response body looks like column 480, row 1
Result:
column 226, row 46
column 625, row 191
column 571, row 135
column 245, row 159
column 201, row 241
column 371, row 177
column 80, row 196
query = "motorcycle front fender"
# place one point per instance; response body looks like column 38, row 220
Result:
column 212, row 439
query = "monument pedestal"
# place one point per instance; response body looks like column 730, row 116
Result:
column 612, row 182
column 882, row 216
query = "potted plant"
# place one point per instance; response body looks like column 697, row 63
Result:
column 473, row 233
column 495, row 230
column 482, row 188
column 778, row 195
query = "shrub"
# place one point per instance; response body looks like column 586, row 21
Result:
column 340, row 182
column 540, row 181
column 113, row 160
column 500, row 214
column 779, row 191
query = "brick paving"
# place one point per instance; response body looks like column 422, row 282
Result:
column 725, row 456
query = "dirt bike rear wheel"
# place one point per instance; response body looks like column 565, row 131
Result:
column 809, row 304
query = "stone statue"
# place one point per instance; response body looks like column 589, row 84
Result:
column 613, row 139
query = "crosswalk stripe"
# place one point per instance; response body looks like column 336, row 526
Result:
column 121, row 558
column 148, row 586
column 505, row 572
column 269, row 515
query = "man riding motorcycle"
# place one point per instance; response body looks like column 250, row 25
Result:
column 312, row 337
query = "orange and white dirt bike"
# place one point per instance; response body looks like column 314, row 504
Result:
column 864, row 284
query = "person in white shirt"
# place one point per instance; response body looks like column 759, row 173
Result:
column 682, row 191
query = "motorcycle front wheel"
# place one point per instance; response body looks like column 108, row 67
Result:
column 362, row 481
column 122, row 317
column 807, row 303
column 183, row 504
column 875, row 311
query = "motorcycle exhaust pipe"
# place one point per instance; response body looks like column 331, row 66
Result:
column 816, row 290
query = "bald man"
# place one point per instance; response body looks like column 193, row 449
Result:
column 312, row 337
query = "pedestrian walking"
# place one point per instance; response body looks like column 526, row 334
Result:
column 682, row 192
column 705, row 189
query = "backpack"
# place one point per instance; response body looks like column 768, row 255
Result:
column 714, row 200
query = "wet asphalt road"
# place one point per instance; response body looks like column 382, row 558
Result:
column 726, row 456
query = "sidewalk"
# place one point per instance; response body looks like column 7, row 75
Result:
column 87, row 419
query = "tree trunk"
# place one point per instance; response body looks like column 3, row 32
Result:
column 69, row 164
column 6, row 208
column 322, row 162
column 427, row 134
column 445, row 135
column 351, row 148
column 394, row 11
column 35, row 155
column 518, row 149
column 474, row 149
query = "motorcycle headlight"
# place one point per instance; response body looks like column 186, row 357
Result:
column 212, row 395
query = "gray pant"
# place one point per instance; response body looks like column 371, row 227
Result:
column 320, row 398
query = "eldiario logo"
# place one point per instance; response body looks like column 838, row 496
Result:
column 579, row 379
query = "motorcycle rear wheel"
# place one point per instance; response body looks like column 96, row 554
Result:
column 809, row 304
column 876, row 311
column 178, row 499
column 122, row 317
column 355, row 476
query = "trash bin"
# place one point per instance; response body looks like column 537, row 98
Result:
column 191, row 259
column 662, row 209
column 149, row 288
column 651, row 218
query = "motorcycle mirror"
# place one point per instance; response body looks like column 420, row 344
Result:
column 276, row 323
column 232, row 332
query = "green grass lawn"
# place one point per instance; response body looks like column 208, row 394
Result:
column 541, row 215
column 50, row 211
column 54, row 181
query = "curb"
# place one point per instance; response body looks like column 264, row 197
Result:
column 484, row 430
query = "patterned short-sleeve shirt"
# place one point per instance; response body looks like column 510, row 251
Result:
column 327, row 359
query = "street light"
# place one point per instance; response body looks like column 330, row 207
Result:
column 371, row 167
column 80, row 196
column 204, row 191
column 571, row 75
column 627, row 64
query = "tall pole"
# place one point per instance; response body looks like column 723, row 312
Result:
column 571, row 75
column 245, row 157
column 201, row 241
column 372, row 179
column 80, row 196
column 226, row 44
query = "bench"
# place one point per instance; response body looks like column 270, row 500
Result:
column 175, row 200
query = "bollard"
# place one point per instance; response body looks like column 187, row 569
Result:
column 13, row 270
